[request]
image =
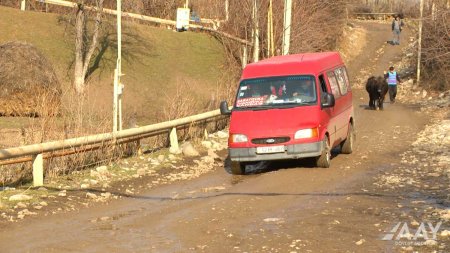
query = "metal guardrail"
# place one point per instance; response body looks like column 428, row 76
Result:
column 384, row 15
column 37, row 151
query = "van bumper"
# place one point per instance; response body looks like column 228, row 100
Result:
column 295, row 151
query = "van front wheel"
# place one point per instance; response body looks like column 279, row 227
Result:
column 324, row 160
column 237, row 168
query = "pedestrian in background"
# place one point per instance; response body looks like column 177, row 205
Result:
column 392, row 79
column 397, row 24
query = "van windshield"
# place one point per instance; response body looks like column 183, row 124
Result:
column 277, row 92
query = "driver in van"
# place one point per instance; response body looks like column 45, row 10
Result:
column 304, row 91
column 255, row 91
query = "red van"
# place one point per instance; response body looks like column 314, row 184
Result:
column 290, row 107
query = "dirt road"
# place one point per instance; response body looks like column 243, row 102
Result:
column 284, row 207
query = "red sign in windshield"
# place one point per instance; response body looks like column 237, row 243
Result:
column 253, row 101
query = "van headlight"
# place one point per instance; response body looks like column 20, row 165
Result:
column 306, row 133
column 236, row 138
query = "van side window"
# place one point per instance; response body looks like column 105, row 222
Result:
column 333, row 84
column 341, row 80
column 346, row 78
column 323, row 85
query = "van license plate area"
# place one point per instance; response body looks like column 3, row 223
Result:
column 270, row 150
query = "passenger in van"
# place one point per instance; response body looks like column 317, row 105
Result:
column 279, row 90
column 304, row 91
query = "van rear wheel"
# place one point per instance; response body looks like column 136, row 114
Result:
column 324, row 160
column 347, row 144
column 237, row 168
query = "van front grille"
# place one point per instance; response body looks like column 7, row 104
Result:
column 273, row 140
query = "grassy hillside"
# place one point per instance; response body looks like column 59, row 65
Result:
column 155, row 60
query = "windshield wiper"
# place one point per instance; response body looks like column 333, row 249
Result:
column 255, row 108
column 285, row 105
column 292, row 104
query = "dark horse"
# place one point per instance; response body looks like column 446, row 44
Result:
column 377, row 88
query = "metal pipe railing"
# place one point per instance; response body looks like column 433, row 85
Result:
column 35, row 149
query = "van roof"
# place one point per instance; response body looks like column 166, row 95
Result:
column 295, row 64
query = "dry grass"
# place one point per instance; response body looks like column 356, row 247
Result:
column 28, row 83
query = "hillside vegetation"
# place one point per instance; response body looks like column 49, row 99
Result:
column 157, row 62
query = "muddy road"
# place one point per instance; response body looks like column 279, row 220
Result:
column 281, row 207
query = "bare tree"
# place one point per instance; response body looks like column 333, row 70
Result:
column 436, row 46
column 83, row 48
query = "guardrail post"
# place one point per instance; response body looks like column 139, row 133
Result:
column 139, row 147
column 22, row 5
column 173, row 139
column 38, row 170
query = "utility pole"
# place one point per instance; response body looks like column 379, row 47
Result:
column 118, row 88
column 270, row 43
column 255, row 32
column 287, row 26
column 419, row 53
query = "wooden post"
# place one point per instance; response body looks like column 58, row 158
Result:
column 139, row 148
column 23, row 5
column 38, row 170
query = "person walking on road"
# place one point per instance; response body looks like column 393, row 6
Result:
column 396, row 30
column 392, row 80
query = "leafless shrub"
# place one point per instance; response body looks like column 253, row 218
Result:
column 28, row 89
column 10, row 3
column 163, row 9
column 317, row 25
column 15, row 174
column 179, row 103
column 77, row 118
column 436, row 47
column 400, row 7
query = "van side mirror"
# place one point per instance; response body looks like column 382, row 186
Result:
column 224, row 108
column 327, row 100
